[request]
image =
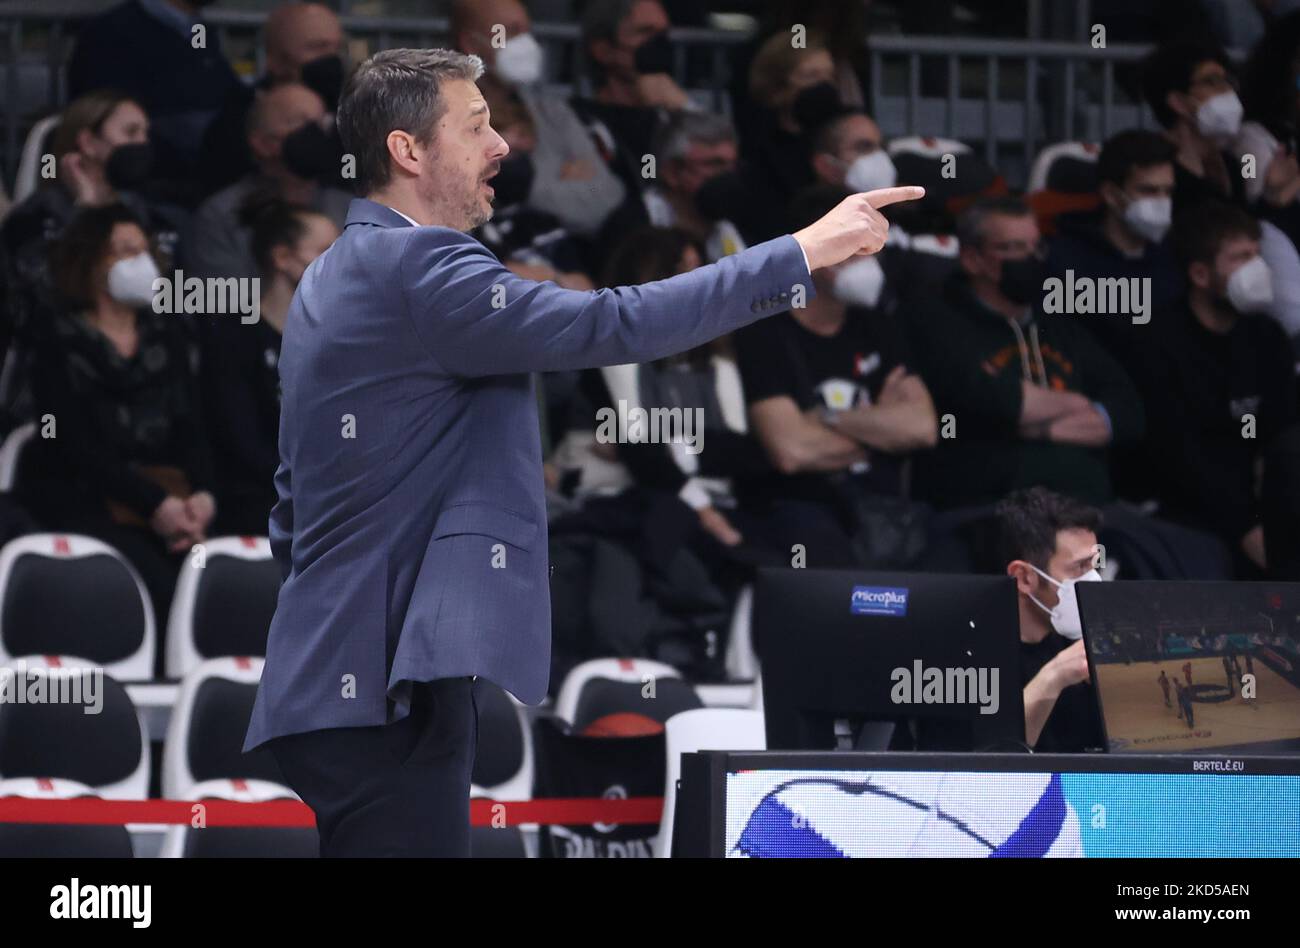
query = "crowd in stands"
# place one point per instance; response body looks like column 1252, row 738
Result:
column 877, row 423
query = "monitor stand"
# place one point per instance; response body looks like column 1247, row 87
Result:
column 870, row 736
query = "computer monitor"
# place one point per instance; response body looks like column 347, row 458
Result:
column 1187, row 667
column 880, row 661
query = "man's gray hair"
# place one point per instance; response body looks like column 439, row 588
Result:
column 396, row 89
column 686, row 128
column 973, row 221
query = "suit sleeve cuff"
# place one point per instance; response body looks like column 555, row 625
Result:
column 805, row 258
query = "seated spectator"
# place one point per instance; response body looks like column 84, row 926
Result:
column 691, row 149
column 285, row 114
column 241, row 380
column 569, row 179
column 627, row 47
column 1189, row 86
column 147, row 50
column 1125, row 237
column 835, row 403
column 121, row 453
column 794, row 90
column 102, row 155
column 844, row 26
column 1032, row 400
column 1220, row 388
column 302, row 42
column 848, row 150
column 1047, row 543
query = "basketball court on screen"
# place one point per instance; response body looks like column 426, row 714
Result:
column 1138, row 719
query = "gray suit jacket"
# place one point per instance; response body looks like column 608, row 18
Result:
column 410, row 527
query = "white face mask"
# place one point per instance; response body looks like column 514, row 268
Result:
column 1220, row 116
column 519, row 61
column 1065, row 617
column 130, row 281
column 1250, row 288
column 870, row 172
column 859, row 282
column 1150, row 217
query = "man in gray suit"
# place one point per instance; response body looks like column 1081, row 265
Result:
column 410, row 526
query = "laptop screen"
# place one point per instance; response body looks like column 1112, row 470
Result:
column 1193, row 666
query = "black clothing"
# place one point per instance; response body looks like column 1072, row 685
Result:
column 114, row 414
column 1198, row 386
column 399, row 789
column 1081, row 245
column 975, row 361
column 1074, row 725
column 779, row 357
column 241, row 386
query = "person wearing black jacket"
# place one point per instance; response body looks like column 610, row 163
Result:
column 241, row 381
column 631, row 61
column 1029, row 399
column 1220, row 389
column 120, row 454
column 1125, row 237
column 303, row 42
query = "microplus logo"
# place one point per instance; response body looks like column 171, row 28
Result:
column 134, row 902
column 878, row 601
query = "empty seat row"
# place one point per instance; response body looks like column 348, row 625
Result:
column 64, row 594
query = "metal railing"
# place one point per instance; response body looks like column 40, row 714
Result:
column 1058, row 91
column 1007, row 97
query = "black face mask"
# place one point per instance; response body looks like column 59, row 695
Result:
column 128, row 166
column 513, row 181
column 324, row 76
column 1022, row 280
column 816, row 105
column 314, row 154
column 723, row 197
column 654, row 55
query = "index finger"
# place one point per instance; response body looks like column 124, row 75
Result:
column 886, row 196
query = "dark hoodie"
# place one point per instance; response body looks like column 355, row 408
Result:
column 1080, row 245
column 973, row 360
column 1198, row 385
